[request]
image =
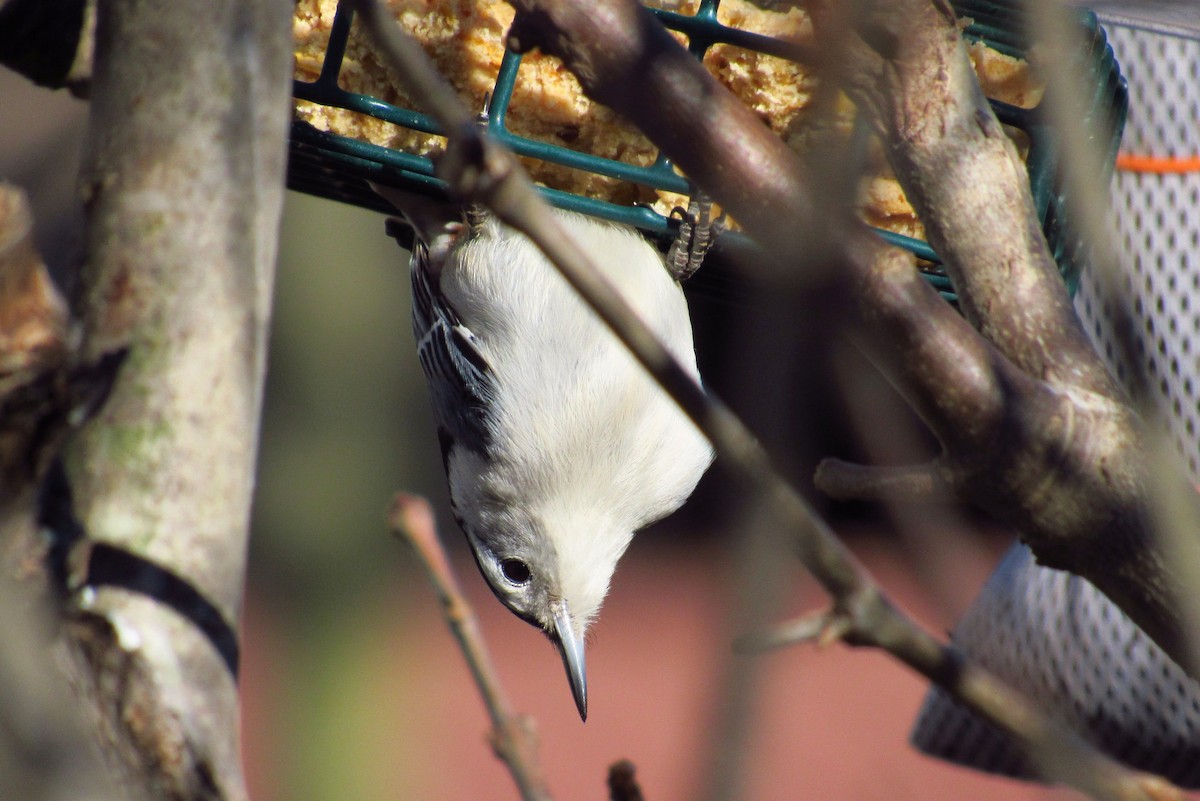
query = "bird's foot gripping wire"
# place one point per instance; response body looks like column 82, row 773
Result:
column 697, row 232
column 476, row 215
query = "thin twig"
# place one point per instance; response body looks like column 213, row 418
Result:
column 912, row 484
column 622, row 782
column 512, row 735
column 481, row 170
column 411, row 63
column 824, row 628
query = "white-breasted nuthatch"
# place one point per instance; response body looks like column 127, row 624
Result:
column 557, row 444
column 1062, row 642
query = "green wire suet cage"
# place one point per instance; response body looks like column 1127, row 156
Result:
column 338, row 167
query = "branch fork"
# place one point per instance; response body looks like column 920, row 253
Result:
column 734, row 158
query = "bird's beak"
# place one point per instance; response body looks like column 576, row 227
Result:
column 571, row 647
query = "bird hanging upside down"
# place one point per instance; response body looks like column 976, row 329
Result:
column 557, row 444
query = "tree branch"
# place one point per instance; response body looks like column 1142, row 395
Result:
column 33, row 351
column 183, row 182
column 848, row 481
column 512, row 736
column 1072, row 477
column 44, row 752
column 906, row 66
column 687, row 113
column 478, row 169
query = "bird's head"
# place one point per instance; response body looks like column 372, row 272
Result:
column 550, row 578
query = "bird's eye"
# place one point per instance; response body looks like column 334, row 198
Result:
column 515, row 571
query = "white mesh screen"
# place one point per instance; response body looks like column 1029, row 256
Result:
column 1048, row 633
column 1158, row 226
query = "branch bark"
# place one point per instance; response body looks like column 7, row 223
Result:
column 33, row 346
column 44, row 752
column 183, row 183
column 1071, row 477
column 478, row 169
column 513, row 736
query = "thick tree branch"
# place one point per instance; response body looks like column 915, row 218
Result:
column 1071, row 476
column 906, row 65
column 477, row 169
column 183, row 181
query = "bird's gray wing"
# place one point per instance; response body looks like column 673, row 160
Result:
column 1063, row 643
column 461, row 382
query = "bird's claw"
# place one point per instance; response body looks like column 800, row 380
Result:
column 697, row 232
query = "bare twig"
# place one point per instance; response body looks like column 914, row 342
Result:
column 512, row 735
column 622, row 782
column 849, row 481
column 583, row 33
column 935, row 536
column 1073, row 479
column 823, row 628
column 410, row 62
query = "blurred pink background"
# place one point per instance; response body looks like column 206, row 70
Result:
column 828, row 724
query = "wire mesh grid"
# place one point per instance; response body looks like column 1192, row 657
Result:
column 1157, row 221
column 337, row 167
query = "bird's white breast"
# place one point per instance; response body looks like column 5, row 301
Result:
column 578, row 419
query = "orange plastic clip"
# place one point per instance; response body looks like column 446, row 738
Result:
column 1161, row 165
